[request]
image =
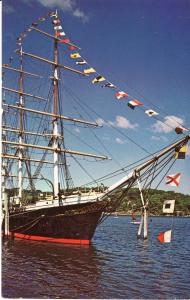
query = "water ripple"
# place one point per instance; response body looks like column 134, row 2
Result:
column 117, row 265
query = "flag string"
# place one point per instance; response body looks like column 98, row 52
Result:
column 132, row 102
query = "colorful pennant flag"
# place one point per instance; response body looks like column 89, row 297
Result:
column 180, row 130
column 89, row 71
column 56, row 22
column 35, row 24
column 168, row 206
column 23, row 35
column 72, row 47
column 133, row 103
column 109, row 85
column 75, row 55
column 52, row 14
column 62, row 33
column 173, row 180
column 41, row 19
column 151, row 112
column 58, row 27
column 165, row 237
column 81, row 62
column 180, row 152
column 98, row 79
column 66, row 41
column 120, row 95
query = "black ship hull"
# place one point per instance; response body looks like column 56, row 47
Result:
column 71, row 224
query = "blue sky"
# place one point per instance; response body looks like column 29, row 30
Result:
column 141, row 46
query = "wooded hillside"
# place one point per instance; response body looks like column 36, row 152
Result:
column 132, row 202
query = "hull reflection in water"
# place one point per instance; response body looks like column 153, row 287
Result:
column 57, row 270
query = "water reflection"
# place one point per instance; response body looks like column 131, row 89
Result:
column 117, row 265
column 53, row 267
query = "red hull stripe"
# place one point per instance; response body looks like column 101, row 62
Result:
column 49, row 239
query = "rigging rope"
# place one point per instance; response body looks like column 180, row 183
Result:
column 33, row 223
column 76, row 99
column 64, row 157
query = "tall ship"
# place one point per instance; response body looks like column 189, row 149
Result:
column 35, row 152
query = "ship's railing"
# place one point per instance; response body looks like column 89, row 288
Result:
column 69, row 200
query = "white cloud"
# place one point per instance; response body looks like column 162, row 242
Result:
column 8, row 9
column 122, row 122
column 81, row 15
column 159, row 138
column 169, row 123
column 65, row 5
column 120, row 141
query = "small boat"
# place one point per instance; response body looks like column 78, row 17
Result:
column 134, row 220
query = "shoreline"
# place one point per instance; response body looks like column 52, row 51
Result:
column 150, row 215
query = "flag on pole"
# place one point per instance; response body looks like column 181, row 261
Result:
column 52, row 14
column 23, row 35
column 35, row 24
column 62, row 33
column 58, row 27
column 56, row 22
column 180, row 129
column 120, row 95
column 81, row 62
column 180, row 152
column 66, row 41
column 72, row 47
column 109, row 85
column 133, row 103
column 173, row 180
column 168, row 206
column 41, row 19
column 75, row 55
column 98, row 79
column 165, row 237
column 151, row 112
column 89, row 71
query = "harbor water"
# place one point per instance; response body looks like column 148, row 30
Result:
column 116, row 265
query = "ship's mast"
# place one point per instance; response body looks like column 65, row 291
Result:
column 55, row 120
column 20, row 163
column 58, row 134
